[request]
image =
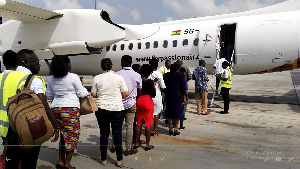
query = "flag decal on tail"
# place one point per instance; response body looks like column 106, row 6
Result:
column 178, row 32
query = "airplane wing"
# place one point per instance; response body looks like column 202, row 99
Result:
column 25, row 13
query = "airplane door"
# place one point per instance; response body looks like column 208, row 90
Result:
column 281, row 38
column 226, row 43
column 207, row 43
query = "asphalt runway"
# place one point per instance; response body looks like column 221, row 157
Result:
column 260, row 132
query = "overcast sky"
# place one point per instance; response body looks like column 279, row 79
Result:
column 150, row 11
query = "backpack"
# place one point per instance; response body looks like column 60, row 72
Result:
column 27, row 117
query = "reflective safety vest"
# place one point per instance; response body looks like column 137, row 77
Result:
column 164, row 70
column 10, row 82
column 227, row 83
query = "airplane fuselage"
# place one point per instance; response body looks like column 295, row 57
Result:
column 261, row 42
column 252, row 41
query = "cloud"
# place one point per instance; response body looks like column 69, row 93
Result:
column 112, row 11
column 62, row 4
column 136, row 15
column 169, row 19
column 197, row 8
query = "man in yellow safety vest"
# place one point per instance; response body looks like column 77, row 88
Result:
column 28, row 63
column 225, row 86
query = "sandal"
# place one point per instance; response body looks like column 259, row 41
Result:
column 136, row 147
column 59, row 166
column 149, row 147
column 153, row 133
column 207, row 113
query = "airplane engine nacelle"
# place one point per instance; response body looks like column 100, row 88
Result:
column 75, row 32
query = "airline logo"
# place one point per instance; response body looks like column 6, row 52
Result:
column 178, row 32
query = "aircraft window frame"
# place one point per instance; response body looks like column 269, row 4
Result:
column 122, row 46
column 139, row 45
column 155, row 44
column 165, row 43
column 185, row 42
column 107, row 48
column 147, row 45
column 130, row 46
column 196, row 42
column 115, row 47
column 174, row 43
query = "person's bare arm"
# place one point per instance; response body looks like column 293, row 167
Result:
column 125, row 94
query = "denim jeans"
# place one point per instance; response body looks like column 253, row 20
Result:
column 115, row 118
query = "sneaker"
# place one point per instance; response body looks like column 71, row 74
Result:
column 181, row 128
column 120, row 163
column 130, row 152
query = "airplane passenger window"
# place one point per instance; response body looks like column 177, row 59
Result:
column 196, row 42
column 147, row 45
column 107, row 48
column 174, row 43
column 185, row 42
column 165, row 45
column 139, row 45
column 114, row 47
column 155, row 44
column 122, row 47
column 130, row 46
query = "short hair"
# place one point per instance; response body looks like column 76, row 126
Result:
column 167, row 61
column 175, row 66
column 23, row 55
column 10, row 59
column 201, row 62
column 146, row 70
column 126, row 61
column 148, row 88
column 225, row 63
column 154, row 62
column 106, row 64
column 59, row 66
column 136, row 67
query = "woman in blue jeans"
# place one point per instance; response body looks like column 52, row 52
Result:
column 109, row 89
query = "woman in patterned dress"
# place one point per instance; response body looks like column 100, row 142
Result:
column 65, row 88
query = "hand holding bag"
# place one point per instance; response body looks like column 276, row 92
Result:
column 87, row 105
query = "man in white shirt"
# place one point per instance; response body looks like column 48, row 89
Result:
column 28, row 62
column 218, row 71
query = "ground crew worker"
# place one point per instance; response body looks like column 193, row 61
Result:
column 10, row 62
column 225, row 86
column 28, row 63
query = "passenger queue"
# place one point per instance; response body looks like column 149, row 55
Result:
column 140, row 96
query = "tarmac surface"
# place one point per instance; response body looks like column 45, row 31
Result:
column 260, row 132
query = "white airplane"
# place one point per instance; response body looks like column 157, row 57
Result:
column 263, row 38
